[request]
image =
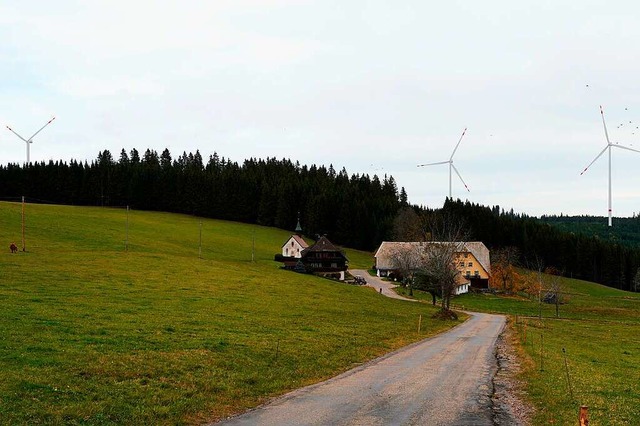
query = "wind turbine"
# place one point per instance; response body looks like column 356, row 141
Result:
column 608, row 147
column 30, row 140
column 451, row 166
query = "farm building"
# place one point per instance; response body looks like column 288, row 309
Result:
column 321, row 258
column 472, row 260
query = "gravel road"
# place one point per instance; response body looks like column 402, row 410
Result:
column 444, row 380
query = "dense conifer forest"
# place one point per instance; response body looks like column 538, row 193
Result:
column 356, row 211
column 625, row 230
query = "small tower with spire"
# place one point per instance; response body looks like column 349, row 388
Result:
column 298, row 227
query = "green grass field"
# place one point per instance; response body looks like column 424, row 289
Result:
column 93, row 334
column 599, row 328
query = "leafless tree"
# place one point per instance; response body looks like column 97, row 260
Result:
column 406, row 259
column 449, row 235
column 534, row 289
column 555, row 293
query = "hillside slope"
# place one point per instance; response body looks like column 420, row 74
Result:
column 95, row 334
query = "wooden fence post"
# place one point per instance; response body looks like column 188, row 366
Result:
column 584, row 416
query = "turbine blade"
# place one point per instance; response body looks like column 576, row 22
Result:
column 625, row 147
column 434, row 164
column 12, row 131
column 604, row 125
column 456, row 148
column 48, row 122
column 594, row 160
column 461, row 180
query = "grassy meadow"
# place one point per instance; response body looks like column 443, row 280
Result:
column 93, row 334
column 599, row 328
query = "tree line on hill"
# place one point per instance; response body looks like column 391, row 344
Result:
column 625, row 230
column 357, row 211
column 541, row 245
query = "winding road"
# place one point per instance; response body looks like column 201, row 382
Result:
column 443, row 380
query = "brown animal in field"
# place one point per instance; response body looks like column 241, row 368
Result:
column 14, row 248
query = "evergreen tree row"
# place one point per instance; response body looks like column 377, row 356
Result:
column 625, row 230
column 356, row 211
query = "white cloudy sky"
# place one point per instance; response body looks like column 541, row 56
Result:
column 374, row 86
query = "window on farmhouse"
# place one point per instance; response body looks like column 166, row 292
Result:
column 462, row 264
column 470, row 265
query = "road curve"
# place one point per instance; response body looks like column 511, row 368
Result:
column 444, row 380
column 381, row 286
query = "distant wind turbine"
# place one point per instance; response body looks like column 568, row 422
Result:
column 30, row 140
column 608, row 147
column 451, row 166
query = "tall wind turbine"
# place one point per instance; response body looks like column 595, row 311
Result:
column 608, row 147
column 451, row 166
column 30, row 140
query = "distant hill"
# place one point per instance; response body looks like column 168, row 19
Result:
column 624, row 230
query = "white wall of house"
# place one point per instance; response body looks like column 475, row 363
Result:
column 292, row 248
column 462, row 289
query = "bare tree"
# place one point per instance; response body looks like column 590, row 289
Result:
column 441, row 255
column 535, row 283
column 406, row 259
column 636, row 281
column 555, row 290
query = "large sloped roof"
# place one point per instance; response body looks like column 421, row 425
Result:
column 384, row 254
column 323, row 245
column 299, row 240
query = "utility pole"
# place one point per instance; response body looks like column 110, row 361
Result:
column 126, row 241
column 253, row 246
column 200, row 244
column 24, row 247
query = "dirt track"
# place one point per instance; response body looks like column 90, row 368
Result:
column 444, row 380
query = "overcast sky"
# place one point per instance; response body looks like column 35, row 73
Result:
column 377, row 87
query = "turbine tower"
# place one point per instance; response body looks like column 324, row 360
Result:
column 608, row 147
column 451, row 166
column 30, row 140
